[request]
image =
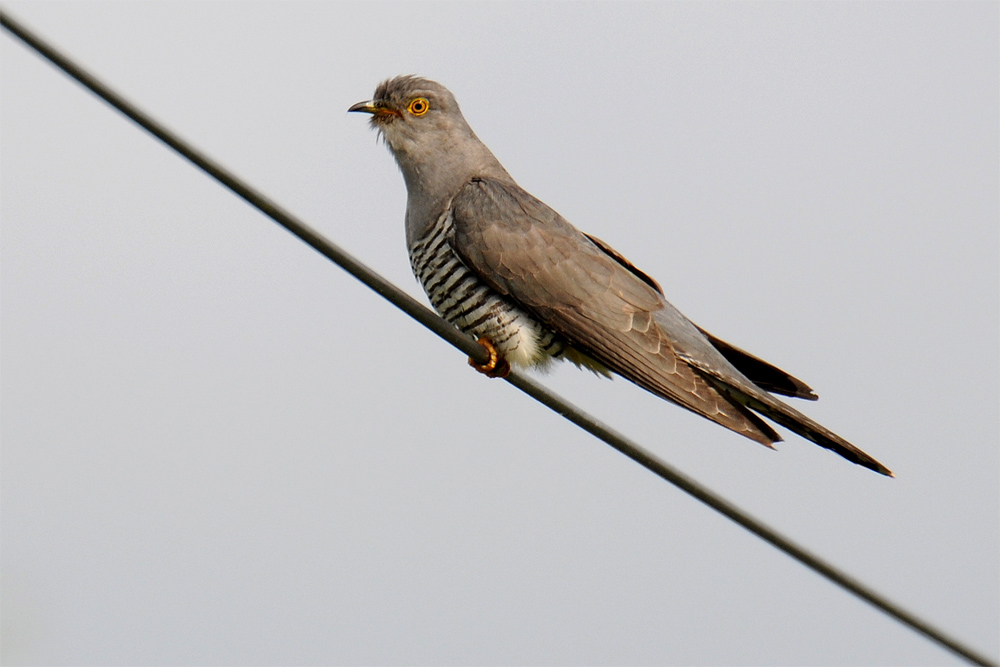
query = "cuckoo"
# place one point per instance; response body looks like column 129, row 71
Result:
column 505, row 268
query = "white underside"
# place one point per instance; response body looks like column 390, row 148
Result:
column 523, row 348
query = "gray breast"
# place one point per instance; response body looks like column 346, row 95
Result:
column 464, row 300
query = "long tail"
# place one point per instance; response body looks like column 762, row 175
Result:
column 765, row 404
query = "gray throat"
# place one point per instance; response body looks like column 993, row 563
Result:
column 454, row 163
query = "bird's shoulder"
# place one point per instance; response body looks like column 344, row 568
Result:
column 485, row 200
column 525, row 249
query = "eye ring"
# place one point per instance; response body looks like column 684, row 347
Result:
column 418, row 106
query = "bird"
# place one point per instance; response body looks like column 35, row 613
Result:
column 508, row 270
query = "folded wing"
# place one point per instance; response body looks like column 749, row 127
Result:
column 606, row 308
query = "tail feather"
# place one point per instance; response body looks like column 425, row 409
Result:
column 795, row 421
column 766, row 376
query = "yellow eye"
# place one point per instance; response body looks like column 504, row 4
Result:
column 418, row 106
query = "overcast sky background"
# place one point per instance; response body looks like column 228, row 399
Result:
column 219, row 448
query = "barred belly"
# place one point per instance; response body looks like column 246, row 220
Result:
column 465, row 301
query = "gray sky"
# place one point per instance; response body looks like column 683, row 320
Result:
column 218, row 448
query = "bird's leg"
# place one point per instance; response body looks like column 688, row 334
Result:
column 496, row 367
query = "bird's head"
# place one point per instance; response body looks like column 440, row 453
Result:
column 435, row 148
column 412, row 113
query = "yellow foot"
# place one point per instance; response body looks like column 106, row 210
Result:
column 496, row 367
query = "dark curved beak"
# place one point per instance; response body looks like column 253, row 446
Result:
column 366, row 107
column 377, row 109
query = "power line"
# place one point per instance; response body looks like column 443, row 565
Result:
column 467, row 345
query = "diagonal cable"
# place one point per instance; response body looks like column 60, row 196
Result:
column 449, row 333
